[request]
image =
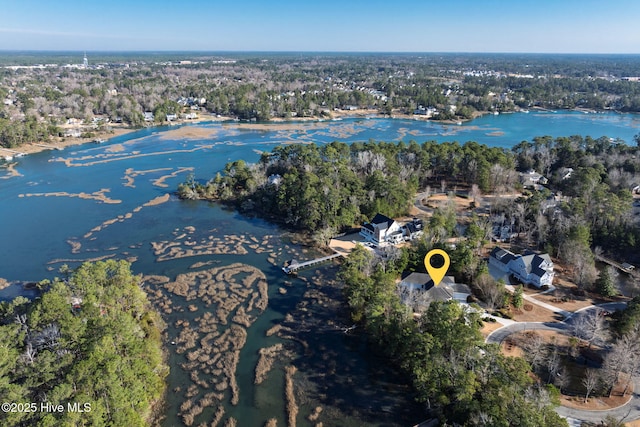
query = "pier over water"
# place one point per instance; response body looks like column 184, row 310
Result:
column 295, row 266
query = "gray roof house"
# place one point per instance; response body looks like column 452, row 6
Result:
column 530, row 268
column 418, row 290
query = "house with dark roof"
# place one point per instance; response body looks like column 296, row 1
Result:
column 382, row 230
column 532, row 179
column 413, row 229
column 418, row 290
column 530, row 268
column 500, row 258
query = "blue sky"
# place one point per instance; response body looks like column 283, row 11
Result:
column 549, row 26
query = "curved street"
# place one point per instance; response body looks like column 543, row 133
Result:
column 627, row 412
column 497, row 336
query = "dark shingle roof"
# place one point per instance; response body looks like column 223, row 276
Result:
column 502, row 255
column 382, row 221
column 537, row 262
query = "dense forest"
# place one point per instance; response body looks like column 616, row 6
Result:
column 328, row 189
column 337, row 186
column 91, row 343
column 38, row 100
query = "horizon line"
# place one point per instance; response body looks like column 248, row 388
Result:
column 166, row 51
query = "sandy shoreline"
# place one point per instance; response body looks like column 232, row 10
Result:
column 194, row 132
column 183, row 131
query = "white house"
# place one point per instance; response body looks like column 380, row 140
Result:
column 274, row 179
column 413, row 229
column 530, row 268
column 565, row 173
column 381, row 230
column 532, row 179
column 74, row 133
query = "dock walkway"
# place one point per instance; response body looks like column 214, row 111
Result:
column 295, row 266
column 51, row 147
column 630, row 271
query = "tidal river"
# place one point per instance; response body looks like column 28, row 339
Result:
column 242, row 337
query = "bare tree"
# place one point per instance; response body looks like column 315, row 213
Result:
column 481, row 419
column 590, row 382
column 552, row 363
column 476, row 195
column 622, row 358
column 492, row 293
column 29, row 354
column 630, row 349
column 581, row 259
column 21, row 319
column 542, row 228
column 534, row 349
column 589, row 326
column 47, row 338
column 416, row 299
column 561, row 379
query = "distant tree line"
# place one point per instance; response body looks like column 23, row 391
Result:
column 288, row 86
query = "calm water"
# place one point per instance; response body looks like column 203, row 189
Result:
column 47, row 220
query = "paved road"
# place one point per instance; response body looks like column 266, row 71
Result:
column 608, row 306
column 417, row 202
column 627, row 412
column 497, row 336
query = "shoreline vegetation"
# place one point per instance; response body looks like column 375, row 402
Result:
column 190, row 132
column 185, row 130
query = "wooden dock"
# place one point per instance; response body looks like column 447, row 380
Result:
column 14, row 152
column 630, row 271
column 295, row 266
column 51, row 147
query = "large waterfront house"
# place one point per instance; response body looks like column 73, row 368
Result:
column 417, row 290
column 384, row 230
column 529, row 268
column 381, row 230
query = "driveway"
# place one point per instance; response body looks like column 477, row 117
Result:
column 627, row 412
